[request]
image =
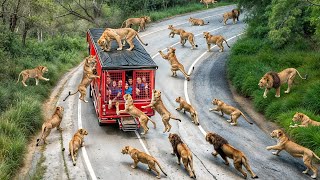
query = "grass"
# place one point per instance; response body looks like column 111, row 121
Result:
column 256, row 58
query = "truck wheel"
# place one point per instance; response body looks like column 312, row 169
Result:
column 100, row 124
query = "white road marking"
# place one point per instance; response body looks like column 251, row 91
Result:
column 141, row 142
column 190, row 70
column 84, row 151
column 176, row 25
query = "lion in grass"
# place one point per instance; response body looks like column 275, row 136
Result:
column 215, row 39
column 197, row 22
column 230, row 110
column 141, row 22
column 144, row 158
column 76, row 143
column 225, row 150
column 50, row 124
column 157, row 104
column 127, row 34
column 182, row 151
column 183, row 105
column 175, row 64
column 36, row 73
column 283, row 143
column 206, row 2
column 275, row 80
column 135, row 112
column 234, row 15
column 174, row 31
column 304, row 119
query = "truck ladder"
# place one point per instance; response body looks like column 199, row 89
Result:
column 129, row 124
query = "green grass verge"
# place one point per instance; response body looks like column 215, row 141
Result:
column 251, row 58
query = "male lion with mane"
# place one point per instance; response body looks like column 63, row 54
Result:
column 275, row 80
column 36, row 73
column 141, row 22
column 304, row 119
column 144, row 158
column 225, row 150
column 182, row 151
column 234, row 15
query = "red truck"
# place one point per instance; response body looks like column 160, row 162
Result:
column 121, row 72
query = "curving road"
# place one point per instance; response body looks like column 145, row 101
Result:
column 101, row 157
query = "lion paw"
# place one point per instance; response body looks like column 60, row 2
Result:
column 229, row 120
column 305, row 171
column 233, row 124
column 119, row 49
column 314, row 176
column 264, row 96
column 158, row 177
column 286, row 92
column 275, row 153
column 47, row 79
column 277, row 96
column 268, row 147
column 133, row 167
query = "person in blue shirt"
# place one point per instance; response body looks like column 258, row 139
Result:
column 128, row 89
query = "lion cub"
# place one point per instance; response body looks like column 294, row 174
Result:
column 199, row 22
column 76, row 143
column 218, row 40
column 304, row 119
column 157, row 104
column 295, row 150
column 225, row 150
column 144, row 158
column 50, row 124
column 36, row 73
column 187, row 107
column 230, row 110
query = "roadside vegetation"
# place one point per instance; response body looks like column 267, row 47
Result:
column 52, row 34
column 281, row 34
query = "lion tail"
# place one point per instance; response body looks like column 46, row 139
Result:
column 70, row 94
column 194, row 41
column 305, row 77
column 314, row 154
column 175, row 118
column 18, row 77
column 246, row 118
column 226, row 42
column 146, row 44
column 42, row 133
column 154, row 123
column 196, row 118
column 160, row 167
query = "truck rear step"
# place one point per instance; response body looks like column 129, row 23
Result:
column 129, row 124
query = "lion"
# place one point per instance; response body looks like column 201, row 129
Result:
column 89, row 65
column 234, row 15
column 50, row 124
column 36, row 73
column 144, row 158
column 135, row 112
column 157, row 104
column 174, row 31
column 198, row 22
column 184, row 36
column 187, row 107
column 215, row 39
column 175, row 64
column 141, row 22
column 225, row 150
column 206, row 2
column 230, row 110
column 76, row 143
column 82, row 87
column 275, row 80
column 304, row 119
column 127, row 34
column 283, row 143
column 182, row 151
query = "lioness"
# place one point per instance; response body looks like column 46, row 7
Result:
column 157, row 104
column 225, row 150
column 184, row 36
column 198, row 22
column 89, row 65
column 127, row 34
column 36, row 73
column 275, row 80
column 141, row 22
column 50, row 124
column 182, row 151
column 304, row 119
column 76, row 143
column 234, row 15
column 214, row 39
column 175, row 64
column 144, row 158
column 135, row 112
column 82, row 87
column 230, row 110
column 174, row 31
column 187, row 107
column 206, row 2
column 283, row 143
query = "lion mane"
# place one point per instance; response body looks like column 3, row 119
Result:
column 274, row 80
column 175, row 140
column 217, row 141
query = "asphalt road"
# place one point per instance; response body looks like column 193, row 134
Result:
column 208, row 81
